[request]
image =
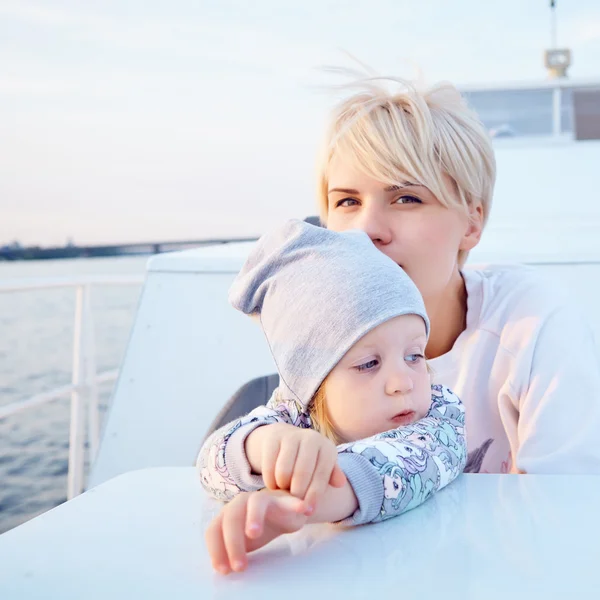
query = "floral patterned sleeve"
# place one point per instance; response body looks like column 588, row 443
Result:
column 222, row 464
column 396, row 471
column 391, row 472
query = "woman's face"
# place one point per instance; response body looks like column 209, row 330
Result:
column 407, row 223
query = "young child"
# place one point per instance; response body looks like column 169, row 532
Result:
column 347, row 329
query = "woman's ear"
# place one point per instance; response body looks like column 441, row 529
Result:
column 474, row 228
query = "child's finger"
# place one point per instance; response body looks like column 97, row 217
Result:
column 285, row 465
column 289, row 503
column 234, row 525
column 263, row 508
column 303, row 470
column 320, row 480
column 338, row 477
column 283, row 512
column 270, row 452
column 256, row 511
column 216, row 545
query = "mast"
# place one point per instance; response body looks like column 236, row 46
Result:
column 553, row 35
column 557, row 60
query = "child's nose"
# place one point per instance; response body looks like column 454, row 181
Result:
column 399, row 382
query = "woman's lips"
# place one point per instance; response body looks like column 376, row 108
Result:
column 404, row 418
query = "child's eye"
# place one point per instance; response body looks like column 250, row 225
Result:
column 413, row 358
column 368, row 365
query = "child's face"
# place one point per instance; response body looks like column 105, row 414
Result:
column 382, row 382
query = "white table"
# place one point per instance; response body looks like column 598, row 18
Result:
column 140, row 535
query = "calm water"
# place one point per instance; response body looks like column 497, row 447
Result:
column 36, row 343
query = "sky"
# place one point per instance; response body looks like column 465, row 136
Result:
column 139, row 120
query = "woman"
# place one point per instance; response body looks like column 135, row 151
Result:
column 415, row 170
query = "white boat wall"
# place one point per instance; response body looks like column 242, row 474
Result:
column 189, row 351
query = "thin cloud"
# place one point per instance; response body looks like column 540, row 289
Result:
column 212, row 40
column 52, row 16
column 175, row 109
column 589, row 31
column 34, row 86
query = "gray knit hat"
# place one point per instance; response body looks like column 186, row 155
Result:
column 316, row 293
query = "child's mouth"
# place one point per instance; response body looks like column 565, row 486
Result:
column 404, row 418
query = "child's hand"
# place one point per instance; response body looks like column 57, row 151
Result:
column 247, row 523
column 301, row 461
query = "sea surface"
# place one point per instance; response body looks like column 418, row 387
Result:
column 36, row 345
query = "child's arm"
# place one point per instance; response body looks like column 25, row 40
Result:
column 284, row 455
column 395, row 471
column 390, row 473
column 222, row 464
column 250, row 521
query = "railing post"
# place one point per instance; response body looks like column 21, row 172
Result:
column 84, row 380
column 76, row 441
column 89, row 355
column 556, row 111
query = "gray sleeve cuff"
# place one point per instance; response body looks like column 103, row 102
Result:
column 367, row 485
column 236, row 462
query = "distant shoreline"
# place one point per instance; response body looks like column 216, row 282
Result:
column 16, row 252
column 57, row 253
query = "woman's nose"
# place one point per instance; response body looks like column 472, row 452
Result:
column 375, row 225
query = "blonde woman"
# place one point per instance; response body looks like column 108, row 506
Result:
column 415, row 170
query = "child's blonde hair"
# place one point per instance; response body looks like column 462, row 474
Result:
column 414, row 133
column 319, row 416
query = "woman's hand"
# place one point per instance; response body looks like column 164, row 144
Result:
column 248, row 522
column 301, row 461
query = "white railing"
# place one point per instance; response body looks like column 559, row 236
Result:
column 84, row 378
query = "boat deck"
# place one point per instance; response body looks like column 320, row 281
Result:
column 141, row 535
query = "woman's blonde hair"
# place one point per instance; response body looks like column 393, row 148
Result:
column 417, row 133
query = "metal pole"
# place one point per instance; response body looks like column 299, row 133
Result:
column 90, row 375
column 76, row 444
column 556, row 116
column 15, row 407
column 553, row 34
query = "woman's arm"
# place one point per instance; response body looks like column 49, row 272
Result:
column 557, row 396
column 396, row 471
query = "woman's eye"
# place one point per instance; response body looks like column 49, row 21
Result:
column 396, row 485
column 408, row 200
column 368, row 365
column 413, row 358
column 346, row 202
